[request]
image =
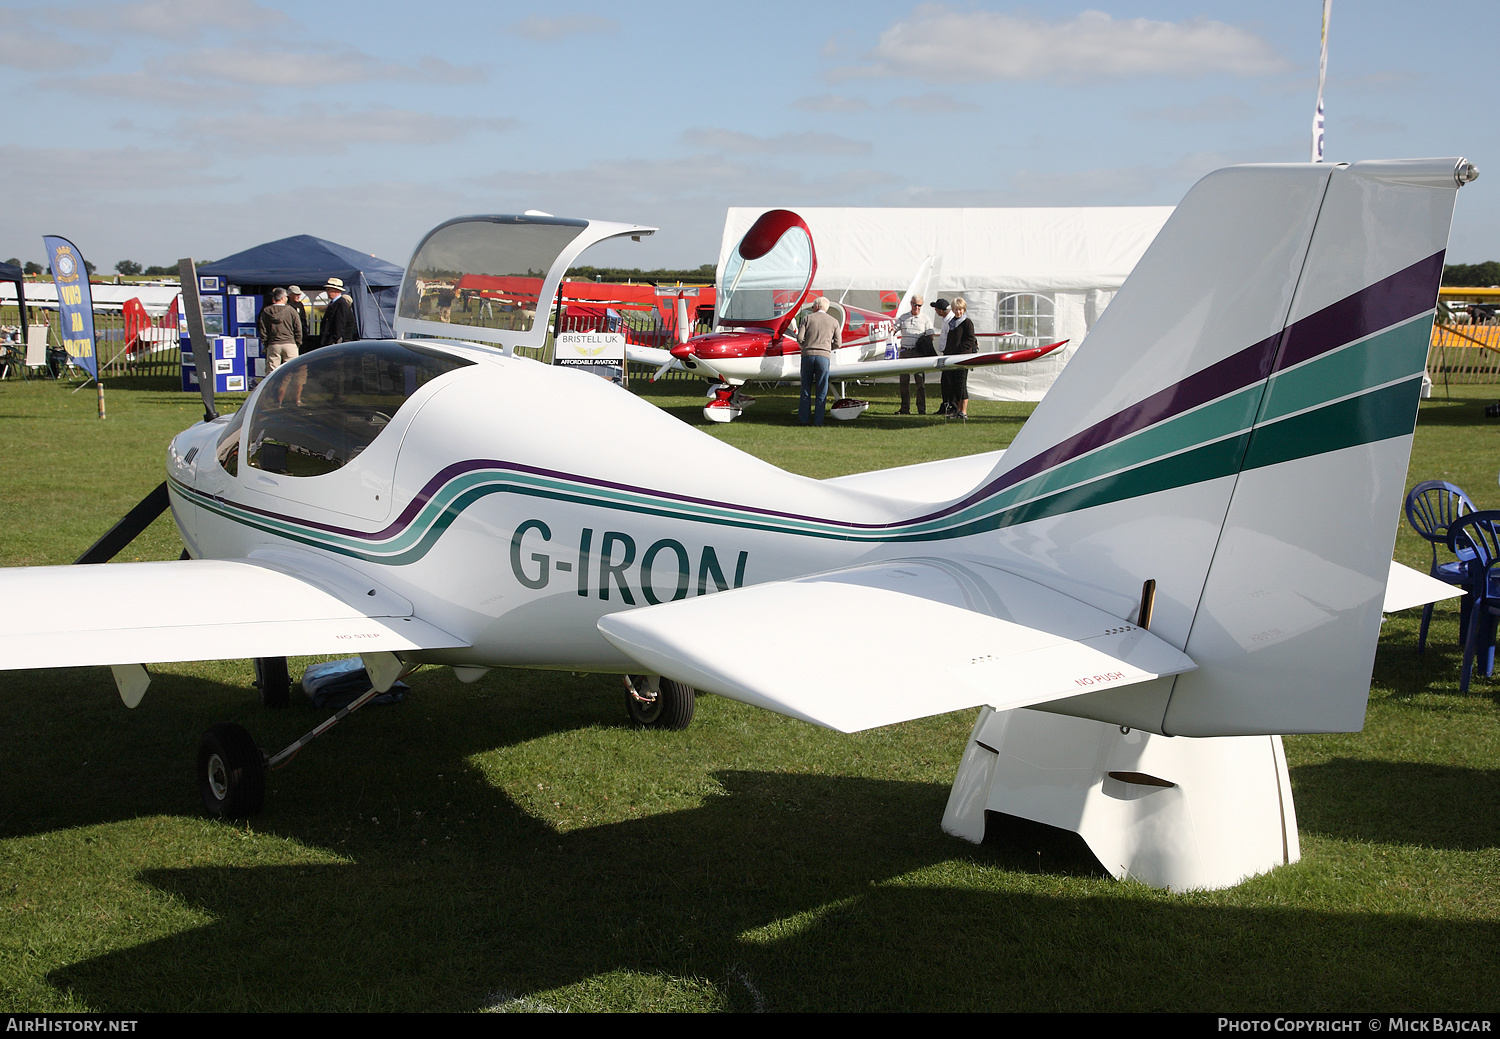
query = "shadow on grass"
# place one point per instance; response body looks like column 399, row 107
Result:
column 786, row 910
column 1458, row 411
column 1402, row 803
column 74, row 756
column 1408, row 674
column 788, row 891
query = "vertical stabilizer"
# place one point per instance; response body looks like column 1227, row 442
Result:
column 1290, row 614
column 1236, row 428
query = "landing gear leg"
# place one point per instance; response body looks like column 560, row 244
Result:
column 659, row 703
column 232, row 768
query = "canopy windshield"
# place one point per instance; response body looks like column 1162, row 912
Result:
column 770, row 272
column 515, row 252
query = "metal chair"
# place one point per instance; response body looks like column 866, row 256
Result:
column 1475, row 540
column 1431, row 509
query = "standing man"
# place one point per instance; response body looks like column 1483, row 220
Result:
column 280, row 330
column 338, row 317
column 915, row 329
column 295, row 301
column 820, row 331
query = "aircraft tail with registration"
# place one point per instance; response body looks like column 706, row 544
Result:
column 1190, row 536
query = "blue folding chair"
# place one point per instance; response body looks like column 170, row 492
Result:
column 1431, row 509
column 1475, row 540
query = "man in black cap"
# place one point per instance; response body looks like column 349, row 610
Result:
column 940, row 330
column 296, row 302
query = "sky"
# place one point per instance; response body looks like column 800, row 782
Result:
column 156, row 129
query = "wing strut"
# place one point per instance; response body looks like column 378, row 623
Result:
column 130, row 527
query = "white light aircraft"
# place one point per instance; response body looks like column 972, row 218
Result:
column 1183, row 553
column 767, row 285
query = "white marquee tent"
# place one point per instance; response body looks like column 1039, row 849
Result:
column 1042, row 272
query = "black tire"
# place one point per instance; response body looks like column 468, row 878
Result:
column 231, row 772
column 274, row 681
column 671, row 709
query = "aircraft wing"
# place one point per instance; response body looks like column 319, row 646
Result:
column 887, row 642
column 133, row 613
column 902, row 365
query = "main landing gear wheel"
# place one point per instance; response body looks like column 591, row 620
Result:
column 274, row 681
column 659, row 703
column 727, row 404
column 231, row 772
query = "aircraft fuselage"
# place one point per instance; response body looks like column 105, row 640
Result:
column 501, row 524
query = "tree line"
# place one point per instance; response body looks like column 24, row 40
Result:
column 1472, row 275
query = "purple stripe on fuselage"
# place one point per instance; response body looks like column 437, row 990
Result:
column 1403, row 295
column 1389, row 301
column 1232, row 373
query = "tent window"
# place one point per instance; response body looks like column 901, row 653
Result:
column 1025, row 314
column 316, row 414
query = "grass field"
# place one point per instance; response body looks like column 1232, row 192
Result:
column 514, row 846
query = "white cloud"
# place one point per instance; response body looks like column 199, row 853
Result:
column 1127, row 185
column 810, row 142
column 1223, row 108
column 548, row 30
column 336, row 129
column 932, row 104
column 146, row 85
column 268, row 67
column 176, row 19
column 831, row 103
column 686, row 197
column 66, row 174
column 940, row 44
column 24, row 46
column 1368, row 126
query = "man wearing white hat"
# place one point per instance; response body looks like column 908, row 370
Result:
column 338, row 317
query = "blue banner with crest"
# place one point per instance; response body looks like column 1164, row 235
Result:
column 75, row 303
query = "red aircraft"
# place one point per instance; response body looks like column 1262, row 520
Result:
column 765, row 286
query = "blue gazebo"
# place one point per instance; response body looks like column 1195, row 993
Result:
column 372, row 283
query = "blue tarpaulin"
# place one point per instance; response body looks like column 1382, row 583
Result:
column 372, row 283
column 10, row 272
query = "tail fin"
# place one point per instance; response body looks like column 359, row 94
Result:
column 1237, row 427
column 918, row 286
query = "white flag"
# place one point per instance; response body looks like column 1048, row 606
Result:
column 1317, row 129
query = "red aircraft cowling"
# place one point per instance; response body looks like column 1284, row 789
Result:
column 716, row 345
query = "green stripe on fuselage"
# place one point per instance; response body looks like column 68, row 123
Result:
column 1390, row 411
column 1384, row 357
column 1206, row 443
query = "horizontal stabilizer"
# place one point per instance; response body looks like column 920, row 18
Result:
column 130, row 613
column 1407, row 588
column 887, row 642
